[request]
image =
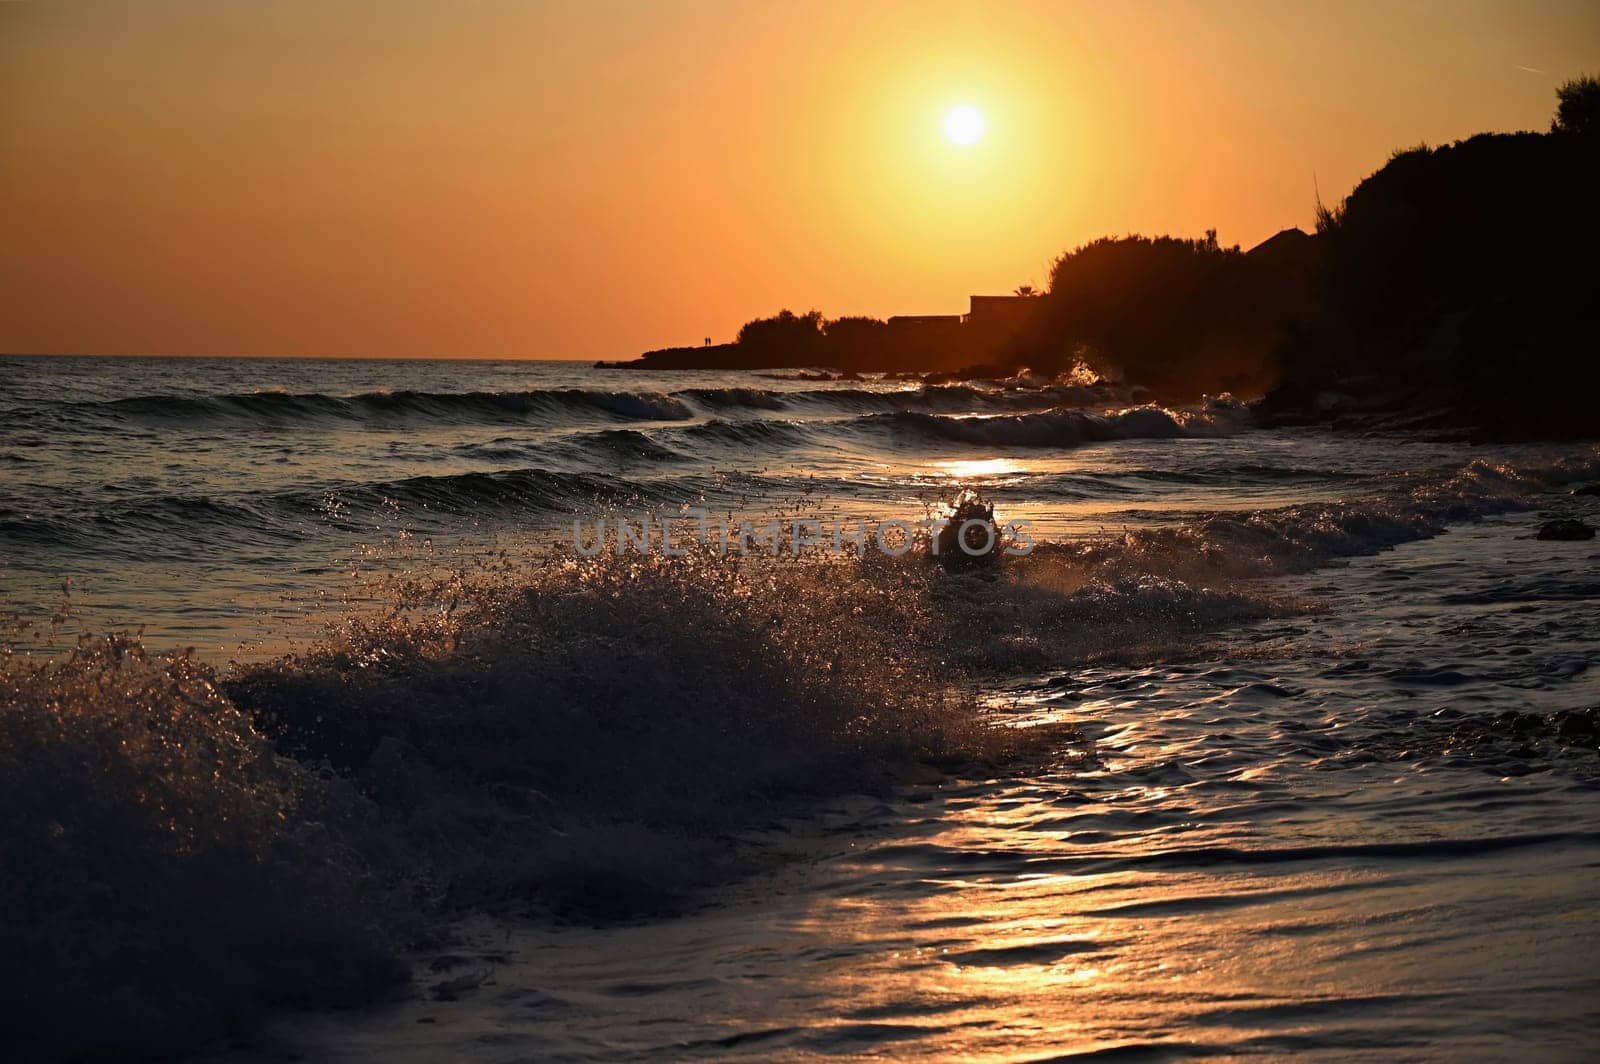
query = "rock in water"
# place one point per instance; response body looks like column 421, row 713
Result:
column 1565, row 529
column 970, row 536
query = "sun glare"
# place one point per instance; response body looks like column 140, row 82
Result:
column 963, row 124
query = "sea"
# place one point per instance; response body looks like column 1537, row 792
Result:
column 1358, row 822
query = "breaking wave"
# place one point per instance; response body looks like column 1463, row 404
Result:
column 1066, row 428
column 557, row 405
column 612, row 446
column 1292, row 539
column 270, row 407
column 948, row 398
column 589, row 738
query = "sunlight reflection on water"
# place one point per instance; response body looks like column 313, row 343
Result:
column 1270, row 858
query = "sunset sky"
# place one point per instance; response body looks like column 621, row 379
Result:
column 590, row 180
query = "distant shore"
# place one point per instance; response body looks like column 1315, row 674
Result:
column 1447, row 291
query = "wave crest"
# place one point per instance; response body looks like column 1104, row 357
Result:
column 1068, row 428
column 273, row 407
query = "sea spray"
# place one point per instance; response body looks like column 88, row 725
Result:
column 583, row 738
column 164, row 875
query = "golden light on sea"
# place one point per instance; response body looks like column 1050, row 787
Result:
column 966, row 469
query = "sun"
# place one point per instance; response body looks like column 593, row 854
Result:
column 963, row 124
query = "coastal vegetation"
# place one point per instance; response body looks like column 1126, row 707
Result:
column 1452, row 282
column 1448, row 287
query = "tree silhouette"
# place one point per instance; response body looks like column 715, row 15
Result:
column 785, row 339
column 1577, row 106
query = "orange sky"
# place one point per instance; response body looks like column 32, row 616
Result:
column 593, row 179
